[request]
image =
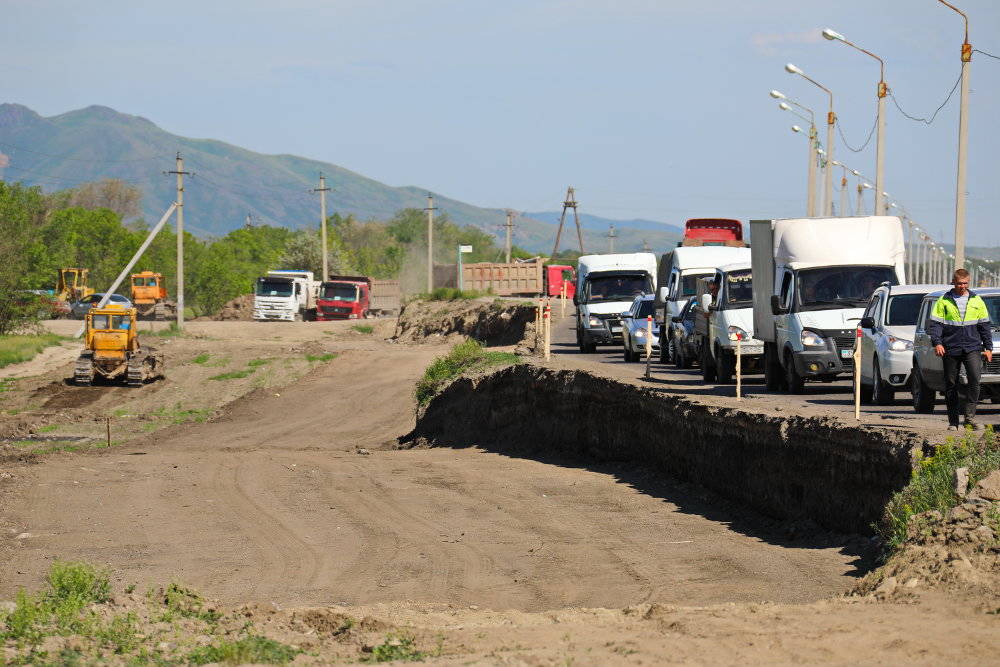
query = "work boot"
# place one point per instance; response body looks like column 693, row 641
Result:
column 952, row 427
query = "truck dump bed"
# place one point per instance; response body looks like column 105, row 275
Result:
column 514, row 279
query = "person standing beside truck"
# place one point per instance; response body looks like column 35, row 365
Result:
column 960, row 332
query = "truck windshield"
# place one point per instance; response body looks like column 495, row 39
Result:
column 903, row 310
column 617, row 288
column 840, row 286
column 339, row 292
column 739, row 288
column 271, row 287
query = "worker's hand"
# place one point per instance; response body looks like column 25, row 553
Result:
column 989, row 355
column 939, row 350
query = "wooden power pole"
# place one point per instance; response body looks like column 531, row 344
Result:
column 322, row 190
column 509, row 225
column 569, row 203
column 430, row 243
column 179, row 171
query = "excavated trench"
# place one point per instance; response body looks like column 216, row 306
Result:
column 793, row 468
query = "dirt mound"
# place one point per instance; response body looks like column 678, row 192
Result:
column 491, row 321
column 240, row 308
column 956, row 550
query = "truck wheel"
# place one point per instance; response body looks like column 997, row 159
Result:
column 923, row 396
column 726, row 368
column 772, row 369
column 794, row 381
column 585, row 347
column 882, row 392
column 707, row 367
column 665, row 350
column 680, row 359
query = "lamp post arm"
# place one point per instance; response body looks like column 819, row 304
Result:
column 964, row 17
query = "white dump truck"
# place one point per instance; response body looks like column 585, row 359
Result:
column 606, row 286
column 285, row 295
column 812, row 278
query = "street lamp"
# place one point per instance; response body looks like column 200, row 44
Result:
column 963, row 140
column 831, row 118
column 811, row 171
column 880, row 135
column 844, row 205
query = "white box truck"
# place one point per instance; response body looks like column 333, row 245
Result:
column 812, row 279
column 285, row 295
column 606, row 286
column 679, row 271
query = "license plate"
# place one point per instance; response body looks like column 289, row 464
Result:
column 752, row 349
column 846, row 354
column 616, row 329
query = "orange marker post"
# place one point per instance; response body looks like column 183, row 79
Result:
column 547, row 324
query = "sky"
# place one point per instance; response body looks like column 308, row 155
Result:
column 654, row 109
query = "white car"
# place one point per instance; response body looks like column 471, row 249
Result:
column 634, row 328
column 887, row 330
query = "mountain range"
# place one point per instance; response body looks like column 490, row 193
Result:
column 230, row 183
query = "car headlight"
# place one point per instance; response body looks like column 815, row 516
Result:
column 900, row 344
column 595, row 322
column 812, row 339
column 640, row 333
column 736, row 333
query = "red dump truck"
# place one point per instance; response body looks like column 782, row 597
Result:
column 356, row 297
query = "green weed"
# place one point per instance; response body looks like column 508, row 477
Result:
column 254, row 363
column 232, row 375
column 188, row 604
column 201, row 358
column 17, row 349
column 452, row 294
column 363, row 328
column 8, row 384
column 932, row 484
column 49, row 428
column 170, row 332
column 465, row 356
column 250, row 649
column 321, row 357
column 397, row 646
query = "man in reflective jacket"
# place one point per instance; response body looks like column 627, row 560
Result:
column 960, row 331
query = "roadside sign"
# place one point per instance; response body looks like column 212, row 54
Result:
column 465, row 248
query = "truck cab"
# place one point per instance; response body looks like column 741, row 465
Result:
column 285, row 295
column 607, row 286
column 730, row 320
column 344, row 298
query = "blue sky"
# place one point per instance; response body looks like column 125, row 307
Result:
column 654, row 109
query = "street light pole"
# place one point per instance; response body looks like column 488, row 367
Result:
column 881, row 91
column 831, row 119
column 963, row 140
column 811, row 178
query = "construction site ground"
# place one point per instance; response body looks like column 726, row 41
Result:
column 263, row 469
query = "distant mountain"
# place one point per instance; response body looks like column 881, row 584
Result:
column 230, row 182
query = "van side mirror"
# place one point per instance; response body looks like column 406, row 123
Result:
column 776, row 308
column 867, row 323
column 706, row 301
column 664, row 292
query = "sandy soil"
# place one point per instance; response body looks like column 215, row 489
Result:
column 288, row 492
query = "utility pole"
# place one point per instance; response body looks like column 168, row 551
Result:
column 509, row 225
column 645, row 246
column 179, row 171
column 611, row 240
column 322, row 190
column 430, row 243
column 569, row 203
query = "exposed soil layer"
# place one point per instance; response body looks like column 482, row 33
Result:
column 788, row 467
column 490, row 321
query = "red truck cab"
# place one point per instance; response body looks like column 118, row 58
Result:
column 557, row 275
column 343, row 298
column 714, row 231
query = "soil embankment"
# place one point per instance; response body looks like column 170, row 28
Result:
column 787, row 467
column 493, row 322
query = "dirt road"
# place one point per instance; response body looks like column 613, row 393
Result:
column 272, row 501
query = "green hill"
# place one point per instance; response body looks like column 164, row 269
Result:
column 231, row 182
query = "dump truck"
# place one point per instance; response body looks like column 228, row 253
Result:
column 72, row 285
column 149, row 296
column 111, row 349
column 356, row 297
column 528, row 278
column 713, row 231
column 287, row 294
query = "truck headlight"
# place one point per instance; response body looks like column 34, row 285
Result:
column 900, row 344
column 736, row 333
column 812, row 339
column 595, row 322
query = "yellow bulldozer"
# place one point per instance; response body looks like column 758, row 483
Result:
column 72, row 285
column 149, row 296
column 111, row 349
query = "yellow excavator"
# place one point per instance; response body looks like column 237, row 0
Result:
column 150, row 296
column 72, row 285
column 111, row 349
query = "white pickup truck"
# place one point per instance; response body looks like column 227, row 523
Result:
column 285, row 295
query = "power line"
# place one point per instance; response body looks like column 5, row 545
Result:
column 934, row 115
column 73, row 159
column 871, row 132
column 986, row 54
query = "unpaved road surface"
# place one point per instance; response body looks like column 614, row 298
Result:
column 272, row 501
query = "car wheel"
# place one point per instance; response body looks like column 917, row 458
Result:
column 882, row 392
column 796, row 383
column 707, row 367
column 923, row 396
column 865, row 391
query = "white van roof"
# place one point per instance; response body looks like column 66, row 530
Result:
column 736, row 266
column 873, row 240
column 708, row 257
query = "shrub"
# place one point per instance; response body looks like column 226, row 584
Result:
column 250, row 649
column 363, row 328
column 397, row 646
column 466, row 356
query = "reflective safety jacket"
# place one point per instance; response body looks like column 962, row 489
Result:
column 959, row 335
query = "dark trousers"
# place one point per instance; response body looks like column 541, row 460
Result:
column 973, row 362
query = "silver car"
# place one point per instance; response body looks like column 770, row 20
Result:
column 83, row 306
column 928, row 369
column 887, row 329
column 634, row 328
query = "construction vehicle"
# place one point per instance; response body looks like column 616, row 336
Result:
column 149, row 296
column 111, row 349
column 72, row 285
column 287, row 294
column 356, row 297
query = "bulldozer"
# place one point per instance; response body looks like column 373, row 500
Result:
column 72, row 285
column 111, row 349
column 149, row 296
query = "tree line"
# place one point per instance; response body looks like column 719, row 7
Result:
column 83, row 227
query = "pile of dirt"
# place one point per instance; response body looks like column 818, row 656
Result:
column 958, row 549
column 490, row 321
column 240, row 308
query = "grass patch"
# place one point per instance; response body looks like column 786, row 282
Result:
column 170, row 332
column 397, row 646
column 232, row 375
column 179, row 416
column 40, row 447
column 49, row 428
column 8, row 384
column 250, row 649
column 932, row 484
column 452, row 294
column 363, row 328
column 201, row 358
column 18, row 349
column 254, row 363
column 466, row 356
column 321, row 357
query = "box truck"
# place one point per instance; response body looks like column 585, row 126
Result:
column 606, row 286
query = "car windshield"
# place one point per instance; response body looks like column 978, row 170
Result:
column 617, row 288
column 689, row 283
column 645, row 309
column 739, row 287
column 903, row 310
column 340, row 292
column 840, row 286
column 268, row 287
